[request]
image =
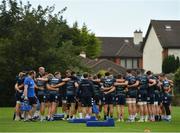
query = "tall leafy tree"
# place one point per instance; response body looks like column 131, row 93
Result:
column 32, row 37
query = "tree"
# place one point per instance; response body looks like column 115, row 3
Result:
column 31, row 37
column 177, row 62
column 169, row 64
column 177, row 80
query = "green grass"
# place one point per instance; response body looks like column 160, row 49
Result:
column 8, row 125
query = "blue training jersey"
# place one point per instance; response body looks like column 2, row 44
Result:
column 30, row 83
column 131, row 80
column 143, row 82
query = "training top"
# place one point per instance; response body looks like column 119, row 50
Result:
column 30, row 83
column 109, row 82
column 143, row 82
column 86, row 88
column 70, row 86
column 97, row 88
column 120, row 90
column 54, row 81
column 131, row 80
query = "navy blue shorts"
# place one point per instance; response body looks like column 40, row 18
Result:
column 150, row 98
column 18, row 96
column 166, row 99
column 70, row 99
column 86, row 101
column 121, row 99
column 142, row 96
column 42, row 96
column 97, row 99
column 53, row 96
column 32, row 100
column 63, row 97
column 131, row 94
column 108, row 99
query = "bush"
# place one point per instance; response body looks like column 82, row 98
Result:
column 176, row 100
column 177, row 81
column 167, row 66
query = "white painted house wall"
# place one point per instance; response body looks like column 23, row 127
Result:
column 175, row 52
column 152, row 53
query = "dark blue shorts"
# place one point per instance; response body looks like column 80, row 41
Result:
column 108, row 99
column 97, row 99
column 32, row 100
column 131, row 94
column 70, row 99
column 121, row 99
column 166, row 99
column 18, row 96
column 150, row 98
column 157, row 98
column 42, row 96
column 53, row 96
column 86, row 101
column 142, row 96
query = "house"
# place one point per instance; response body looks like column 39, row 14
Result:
column 102, row 64
column 124, row 51
column 162, row 39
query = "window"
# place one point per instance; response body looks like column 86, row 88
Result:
column 135, row 63
column 123, row 62
column 129, row 63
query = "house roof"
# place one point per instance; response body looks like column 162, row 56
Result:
column 103, row 64
column 119, row 47
column 167, row 31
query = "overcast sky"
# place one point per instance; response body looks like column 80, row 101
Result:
column 115, row 17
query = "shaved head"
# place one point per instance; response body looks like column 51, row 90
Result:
column 41, row 70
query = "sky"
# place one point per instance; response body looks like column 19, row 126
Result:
column 114, row 18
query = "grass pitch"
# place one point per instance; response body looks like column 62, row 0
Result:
column 8, row 125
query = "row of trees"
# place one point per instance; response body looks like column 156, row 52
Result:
column 32, row 37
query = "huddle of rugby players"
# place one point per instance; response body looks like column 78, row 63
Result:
column 148, row 97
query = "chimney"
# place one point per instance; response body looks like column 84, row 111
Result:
column 82, row 54
column 138, row 37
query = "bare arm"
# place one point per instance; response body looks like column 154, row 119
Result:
column 106, row 88
column 171, row 82
column 134, row 85
column 58, row 85
column 43, row 79
column 66, row 79
column 51, row 88
column 153, row 82
column 76, row 85
column 36, row 87
column 123, row 84
column 16, row 87
column 111, row 90
column 25, row 90
column 96, row 80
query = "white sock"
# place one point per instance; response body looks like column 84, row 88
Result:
column 80, row 115
column 74, row 116
column 42, row 117
column 153, row 117
column 169, row 117
column 146, row 117
column 133, row 117
column 142, row 117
